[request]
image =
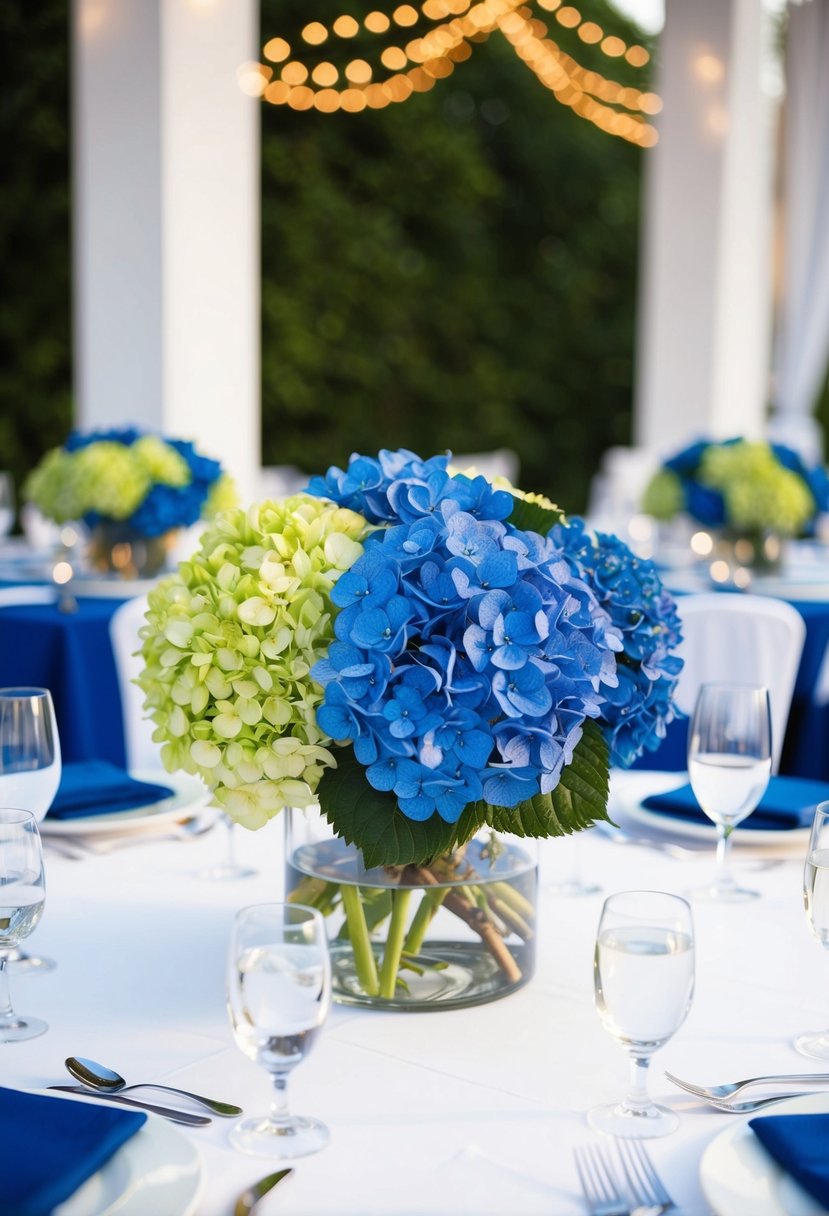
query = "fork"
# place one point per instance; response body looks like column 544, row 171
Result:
column 601, row 1191
column 645, row 1185
column 724, row 1093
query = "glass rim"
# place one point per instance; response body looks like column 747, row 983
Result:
column 281, row 906
column 733, row 685
column 24, row 693
column 14, row 814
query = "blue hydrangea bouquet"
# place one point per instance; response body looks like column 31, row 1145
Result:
column 433, row 660
column 747, row 487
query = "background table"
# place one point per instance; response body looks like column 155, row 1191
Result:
column 467, row 1112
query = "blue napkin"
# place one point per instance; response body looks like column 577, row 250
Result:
column 49, row 1146
column 798, row 1143
column 94, row 787
column 788, row 803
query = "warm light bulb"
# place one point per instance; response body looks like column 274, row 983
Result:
column 393, row 58
column 358, row 71
column 276, row 50
column 315, row 33
column 346, row 27
column 325, row 74
column 376, row 22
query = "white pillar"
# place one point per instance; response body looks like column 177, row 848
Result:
column 705, row 294
column 166, row 223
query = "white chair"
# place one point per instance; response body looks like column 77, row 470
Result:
column 741, row 639
column 35, row 594
column 124, row 624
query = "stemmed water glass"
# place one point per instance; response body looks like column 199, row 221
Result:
column 22, row 892
column 816, row 900
column 279, row 992
column 30, row 768
column 643, row 975
column 729, row 764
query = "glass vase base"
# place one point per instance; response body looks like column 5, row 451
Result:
column 450, row 975
column 16, row 1028
column 296, row 1137
column 618, row 1119
column 814, row 1045
column 225, row 872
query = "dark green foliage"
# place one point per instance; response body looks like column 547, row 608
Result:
column 35, row 339
column 457, row 271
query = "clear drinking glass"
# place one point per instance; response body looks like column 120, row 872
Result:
column 816, row 901
column 6, row 503
column 643, row 976
column 729, row 764
column 22, row 892
column 30, row 768
column 227, row 868
column 279, row 992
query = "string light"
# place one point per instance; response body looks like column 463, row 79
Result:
column 457, row 25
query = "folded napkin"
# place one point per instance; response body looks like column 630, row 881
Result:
column 789, row 802
column 94, row 787
column 49, row 1146
column 798, row 1143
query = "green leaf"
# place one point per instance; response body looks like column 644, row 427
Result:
column 533, row 517
column 372, row 820
column 579, row 799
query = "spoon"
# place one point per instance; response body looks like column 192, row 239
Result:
column 98, row 1077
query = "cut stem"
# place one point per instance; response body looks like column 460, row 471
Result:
column 364, row 961
column 423, row 917
column 400, row 900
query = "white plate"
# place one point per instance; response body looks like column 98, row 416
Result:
column 739, row 1178
column 189, row 793
column 662, row 822
column 158, row 1170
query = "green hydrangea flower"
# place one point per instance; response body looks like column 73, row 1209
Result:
column 223, row 496
column 160, row 462
column 114, row 482
column 55, row 488
column 759, row 492
column 228, row 648
column 663, row 497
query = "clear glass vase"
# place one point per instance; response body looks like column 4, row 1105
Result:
column 116, row 548
column 458, row 931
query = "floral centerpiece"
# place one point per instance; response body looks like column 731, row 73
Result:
column 435, row 662
column 749, row 488
column 128, row 485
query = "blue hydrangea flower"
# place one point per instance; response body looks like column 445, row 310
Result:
column 468, row 653
column 639, row 706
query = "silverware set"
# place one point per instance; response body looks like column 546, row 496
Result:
column 77, row 848
column 629, row 1186
column 721, row 1097
column 98, row 1081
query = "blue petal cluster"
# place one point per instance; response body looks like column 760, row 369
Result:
column 640, row 706
column 164, row 507
column 468, row 653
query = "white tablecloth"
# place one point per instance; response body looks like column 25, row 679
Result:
column 473, row 1111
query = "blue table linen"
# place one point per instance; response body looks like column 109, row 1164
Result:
column 50, row 1146
column 788, row 803
column 799, row 1143
column 95, row 787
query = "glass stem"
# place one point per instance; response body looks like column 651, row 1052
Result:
column 724, row 876
column 278, row 1114
column 230, row 842
column 638, row 1098
column 6, row 1011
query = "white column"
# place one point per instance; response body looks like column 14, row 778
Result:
column 705, row 294
column 166, row 223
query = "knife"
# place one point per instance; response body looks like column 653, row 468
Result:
column 249, row 1198
column 168, row 1112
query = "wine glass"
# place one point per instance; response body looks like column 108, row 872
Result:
column 6, row 503
column 22, row 892
column 643, row 976
column 279, row 991
column 816, row 900
column 228, row 868
column 30, row 768
column 729, row 764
